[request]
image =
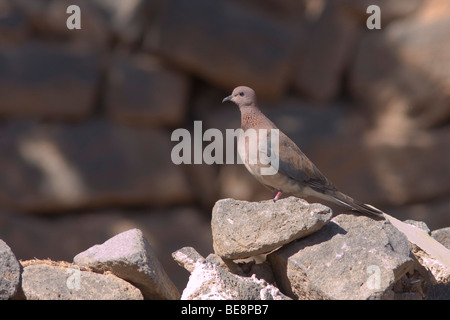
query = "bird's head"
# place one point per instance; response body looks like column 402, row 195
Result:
column 242, row 96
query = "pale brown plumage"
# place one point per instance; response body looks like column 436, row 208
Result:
column 296, row 174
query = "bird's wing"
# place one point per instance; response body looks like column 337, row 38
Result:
column 296, row 165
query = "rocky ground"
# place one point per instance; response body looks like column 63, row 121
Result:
column 302, row 253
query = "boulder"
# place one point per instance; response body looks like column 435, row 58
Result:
column 59, row 238
column 436, row 275
column 101, row 21
column 242, row 229
column 401, row 73
column 352, row 257
column 60, row 80
column 225, row 43
column 208, row 281
column 129, row 256
column 443, row 236
column 144, row 91
column 384, row 169
column 187, row 257
column 56, row 167
column 391, row 10
column 324, row 54
column 418, row 224
column 63, row 281
column 9, row 271
column 13, row 24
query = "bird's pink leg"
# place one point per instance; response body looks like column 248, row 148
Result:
column 277, row 196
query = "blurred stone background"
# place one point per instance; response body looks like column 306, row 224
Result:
column 86, row 115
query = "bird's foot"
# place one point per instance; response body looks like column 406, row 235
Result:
column 277, row 196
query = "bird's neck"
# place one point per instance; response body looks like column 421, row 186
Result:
column 250, row 116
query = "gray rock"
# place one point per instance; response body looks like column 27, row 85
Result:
column 9, row 272
column 383, row 159
column 48, row 18
column 187, row 257
column 55, row 167
column 242, row 229
column 419, row 224
column 443, row 236
column 100, row 20
column 210, row 282
column 392, row 10
column 435, row 274
column 439, row 292
column 252, row 48
column 138, row 89
column 25, row 68
column 213, row 278
column 47, row 282
column 125, row 20
column 325, row 51
column 129, row 256
column 409, row 73
column 60, row 238
column 352, row 257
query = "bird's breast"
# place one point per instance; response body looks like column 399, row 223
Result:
column 251, row 151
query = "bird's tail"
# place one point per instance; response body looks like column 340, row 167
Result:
column 356, row 205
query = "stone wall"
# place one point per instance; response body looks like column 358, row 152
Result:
column 86, row 115
column 301, row 253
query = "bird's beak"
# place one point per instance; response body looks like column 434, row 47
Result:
column 227, row 98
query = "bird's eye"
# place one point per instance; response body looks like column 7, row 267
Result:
column 241, row 94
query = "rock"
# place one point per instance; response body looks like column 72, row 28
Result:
column 326, row 49
column 13, row 24
column 143, row 91
column 210, row 282
column 242, row 229
column 419, row 224
column 422, row 239
column 66, row 90
column 226, row 44
column 59, row 236
column 55, row 167
column 100, row 20
column 410, row 287
column 436, row 274
column 226, row 264
column 391, row 10
column 443, row 236
column 48, row 18
column 401, row 73
column 286, row 11
column 129, row 256
column 9, row 271
column 187, row 257
column 352, row 257
column 384, row 169
column 439, row 292
column 69, row 282
column 125, row 20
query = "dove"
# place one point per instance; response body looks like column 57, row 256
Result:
column 296, row 174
